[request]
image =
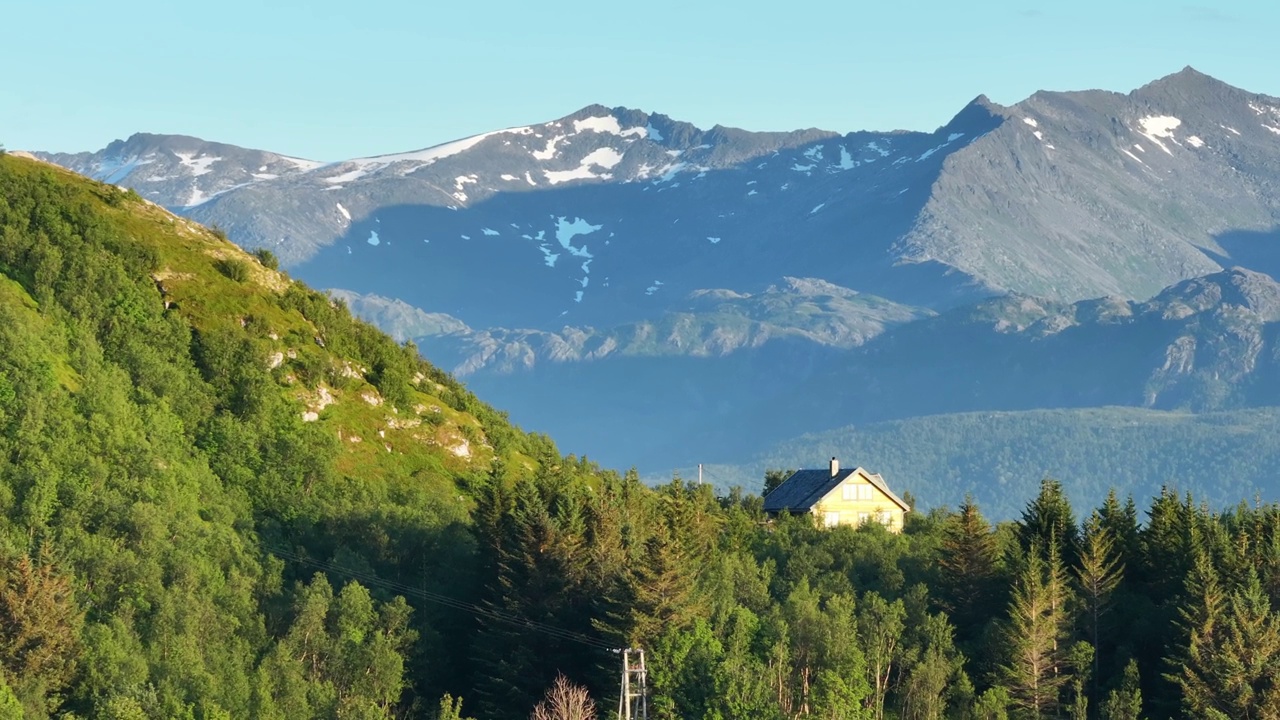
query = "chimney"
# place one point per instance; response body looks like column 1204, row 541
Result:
column 835, row 467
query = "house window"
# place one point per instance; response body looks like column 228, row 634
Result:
column 856, row 491
column 831, row 519
column 885, row 517
column 863, row 517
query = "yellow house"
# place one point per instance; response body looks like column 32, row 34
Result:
column 838, row 497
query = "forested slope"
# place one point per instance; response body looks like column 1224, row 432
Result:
column 170, row 408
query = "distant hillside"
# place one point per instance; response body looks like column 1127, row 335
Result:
column 1000, row 457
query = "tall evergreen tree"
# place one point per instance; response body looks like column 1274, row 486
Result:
column 1120, row 521
column 968, row 565
column 1098, row 572
column 1230, row 667
column 1034, row 672
column 1049, row 521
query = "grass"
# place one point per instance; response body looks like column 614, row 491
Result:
column 215, row 285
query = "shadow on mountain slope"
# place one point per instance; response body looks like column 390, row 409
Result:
column 1254, row 249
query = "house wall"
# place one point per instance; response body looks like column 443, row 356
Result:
column 855, row 512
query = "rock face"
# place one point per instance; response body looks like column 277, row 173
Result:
column 649, row 289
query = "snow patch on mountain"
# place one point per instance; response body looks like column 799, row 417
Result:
column 670, row 171
column 113, row 172
column 566, row 231
column 608, row 124
column 346, row 177
column 846, row 160
column 605, row 157
column 303, row 165
column 549, row 151
column 1155, row 127
column 458, row 183
column 198, row 165
column 345, row 213
column 430, row 155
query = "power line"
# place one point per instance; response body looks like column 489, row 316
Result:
column 479, row 610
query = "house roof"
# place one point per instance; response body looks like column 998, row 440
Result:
column 805, row 488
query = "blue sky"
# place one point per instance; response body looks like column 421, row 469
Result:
column 328, row 80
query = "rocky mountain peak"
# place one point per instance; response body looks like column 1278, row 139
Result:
column 1237, row 286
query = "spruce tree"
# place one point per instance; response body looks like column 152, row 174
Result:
column 1231, row 664
column 1033, row 671
column 1049, row 520
column 968, row 564
column 1121, row 522
column 1098, row 573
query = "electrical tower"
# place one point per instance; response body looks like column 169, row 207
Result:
column 633, row 702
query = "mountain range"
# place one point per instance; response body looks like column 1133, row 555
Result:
column 661, row 295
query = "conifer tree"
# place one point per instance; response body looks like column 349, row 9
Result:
column 1121, row 522
column 1034, row 669
column 968, row 564
column 1098, row 573
column 1050, row 520
column 1231, row 665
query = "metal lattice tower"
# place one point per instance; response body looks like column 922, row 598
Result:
column 633, row 702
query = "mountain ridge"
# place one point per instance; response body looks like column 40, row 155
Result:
column 621, row 257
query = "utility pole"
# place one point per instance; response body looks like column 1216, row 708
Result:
column 699, row 473
column 633, row 701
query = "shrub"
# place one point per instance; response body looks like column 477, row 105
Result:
column 234, row 269
column 267, row 258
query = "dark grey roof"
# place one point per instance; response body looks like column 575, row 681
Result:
column 804, row 488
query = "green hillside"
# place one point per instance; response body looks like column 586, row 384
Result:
column 170, row 409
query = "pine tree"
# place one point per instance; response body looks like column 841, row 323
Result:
column 1033, row 672
column 1121, row 522
column 1231, row 665
column 1049, row 520
column 1098, row 573
column 968, row 566
column 539, row 570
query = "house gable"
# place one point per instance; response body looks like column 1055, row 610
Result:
column 845, row 497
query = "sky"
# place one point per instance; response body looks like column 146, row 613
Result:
column 328, row 80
